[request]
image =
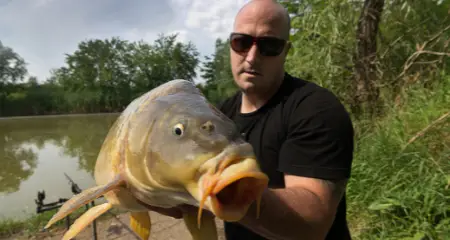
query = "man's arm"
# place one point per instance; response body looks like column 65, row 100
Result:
column 318, row 146
column 306, row 206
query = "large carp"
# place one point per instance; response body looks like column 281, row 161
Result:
column 171, row 147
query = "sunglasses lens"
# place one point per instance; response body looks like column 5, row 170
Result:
column 240, row 42
column 269, row 46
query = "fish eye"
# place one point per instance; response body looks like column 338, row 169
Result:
column 178, row 129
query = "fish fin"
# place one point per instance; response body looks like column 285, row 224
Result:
column 141, row 224
column 86, row 219
column 83, row 198
column 207, row 230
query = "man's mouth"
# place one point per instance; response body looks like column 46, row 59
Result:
column 252, row 72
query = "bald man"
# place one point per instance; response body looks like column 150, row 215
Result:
column 301, row 134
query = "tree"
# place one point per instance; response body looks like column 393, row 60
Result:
column 216, row 71
column 366, row 91
column 105, row 75
column 12, row 65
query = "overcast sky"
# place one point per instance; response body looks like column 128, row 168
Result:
column 42, row 31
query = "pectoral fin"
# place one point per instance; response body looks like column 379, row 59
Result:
column 86, row 219
column 207, row 229
column 141, row 224
column 83, row 198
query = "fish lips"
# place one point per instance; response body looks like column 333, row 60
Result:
column 232, row 196
column 233, row 184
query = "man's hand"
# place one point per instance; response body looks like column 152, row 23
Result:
column 306, row 208
column 177, row 212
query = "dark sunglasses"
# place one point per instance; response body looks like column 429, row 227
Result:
column 267, row 46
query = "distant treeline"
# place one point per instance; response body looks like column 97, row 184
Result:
column 366, row 57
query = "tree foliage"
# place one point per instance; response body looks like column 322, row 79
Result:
column 101, row 76
column 12, row 66
column 216, row 71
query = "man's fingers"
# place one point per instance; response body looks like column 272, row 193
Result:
column 171, row 212
column 176, row 212
column 193, row 209
column 188, row 208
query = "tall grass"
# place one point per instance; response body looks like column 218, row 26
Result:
column 400, row 190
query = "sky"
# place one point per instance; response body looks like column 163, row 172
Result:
column 42, row 31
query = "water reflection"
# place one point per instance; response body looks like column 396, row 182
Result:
column 35, row 152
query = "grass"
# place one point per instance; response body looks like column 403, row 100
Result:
column 36, row 223
column 401, row 191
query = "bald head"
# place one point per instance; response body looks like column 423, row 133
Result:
column 266, row 10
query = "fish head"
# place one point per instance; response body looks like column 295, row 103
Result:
column 190, row 146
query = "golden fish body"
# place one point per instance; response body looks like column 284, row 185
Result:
column 171, row 147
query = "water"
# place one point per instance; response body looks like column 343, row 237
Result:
column 35, row 152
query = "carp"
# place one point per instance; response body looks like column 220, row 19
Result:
column 170, row 147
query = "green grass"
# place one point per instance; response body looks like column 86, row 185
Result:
column 32, row 224
column 399, row 192
column 36, row 222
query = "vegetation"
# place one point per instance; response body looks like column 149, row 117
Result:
column 401, row 173
column 390, row 68
column 36, row 223
column 100, row 76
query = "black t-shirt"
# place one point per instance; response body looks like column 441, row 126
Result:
column 302, row 130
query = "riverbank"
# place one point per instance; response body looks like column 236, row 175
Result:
column 59, row 115
column 116, row 226
column 34, row 224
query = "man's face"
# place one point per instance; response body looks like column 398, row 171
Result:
column 252, row 71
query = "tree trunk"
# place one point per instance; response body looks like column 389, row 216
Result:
column 366, row 92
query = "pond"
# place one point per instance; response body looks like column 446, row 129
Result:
column 36, row 152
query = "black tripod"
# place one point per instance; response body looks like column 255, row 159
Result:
column 44, row 207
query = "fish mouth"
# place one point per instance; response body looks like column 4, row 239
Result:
column 232, row 188
column 232, row 197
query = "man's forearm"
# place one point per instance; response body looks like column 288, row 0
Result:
column 283, row 218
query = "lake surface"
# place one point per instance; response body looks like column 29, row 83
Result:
column 35, row 152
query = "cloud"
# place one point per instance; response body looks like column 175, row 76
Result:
column 42, row 31
column 215, row 17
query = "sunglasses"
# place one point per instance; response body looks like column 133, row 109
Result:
column 267, row 46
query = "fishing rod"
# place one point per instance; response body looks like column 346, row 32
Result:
column 44, row 207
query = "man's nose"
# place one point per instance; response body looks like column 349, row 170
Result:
column 252, row 54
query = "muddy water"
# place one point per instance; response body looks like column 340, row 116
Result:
column 35, row 152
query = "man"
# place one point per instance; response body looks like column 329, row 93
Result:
column 301, row 134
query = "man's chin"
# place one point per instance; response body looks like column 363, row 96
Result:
column 248, row 83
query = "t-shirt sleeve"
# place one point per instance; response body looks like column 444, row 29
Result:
column 319, row 139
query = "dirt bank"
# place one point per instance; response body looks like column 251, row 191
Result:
column 163, row 228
